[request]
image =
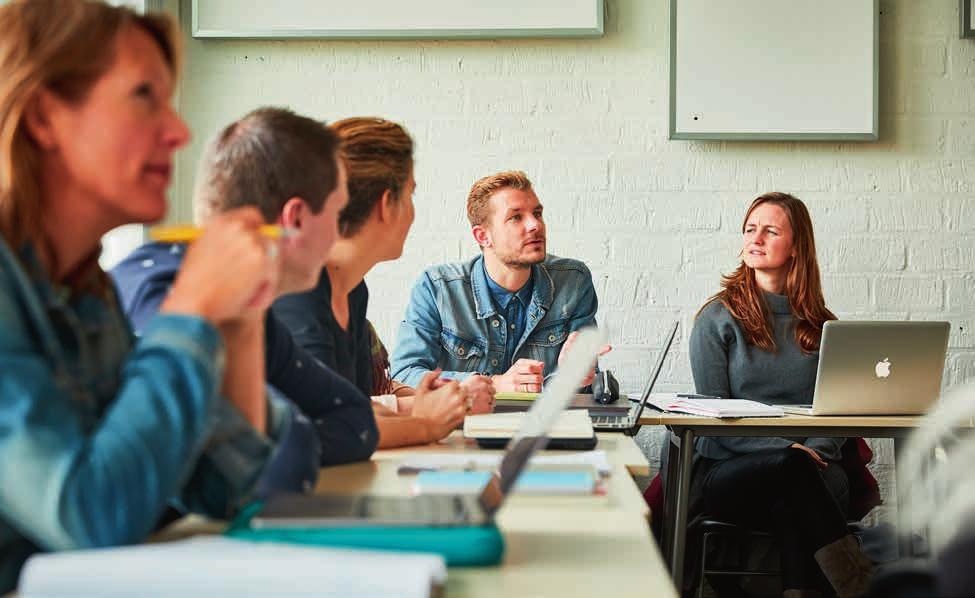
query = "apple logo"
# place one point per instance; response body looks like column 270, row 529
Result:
column 882, row 368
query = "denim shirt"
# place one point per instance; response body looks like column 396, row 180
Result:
column 513, row 307
column 452, row 323
column 97, row 435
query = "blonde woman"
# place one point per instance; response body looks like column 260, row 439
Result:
column 97, row 433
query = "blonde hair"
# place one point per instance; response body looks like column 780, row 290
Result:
column 63, row 46
column 478, row 208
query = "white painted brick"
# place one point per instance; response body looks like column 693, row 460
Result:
column 847, row 215
column 697, row 212
column 940, row 96
column 711, row 253
column 846, row 293
column 910, row 292
column 961, row 58
column 641, row 251
column 935, row 176
column 928, row 57
column 961, row 293
column 961, row 214
column 962, row 136
column 623, row 212
column 860, row 254
column 954, row 253
column 962, row 335
column 960, row 368
column 578, row 174
column 643, row 175
column 637, row 326
column 895, row 213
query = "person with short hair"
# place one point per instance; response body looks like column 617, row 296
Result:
column 286, row 166
column 508, row 313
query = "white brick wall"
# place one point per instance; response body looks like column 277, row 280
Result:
column 656, row 220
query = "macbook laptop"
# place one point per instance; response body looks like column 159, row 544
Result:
column 628, row 423
column 304, row 510
column 878, row 368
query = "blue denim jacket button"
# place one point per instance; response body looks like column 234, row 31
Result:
column 551, row 338
column 495, row 323
column 460, row 350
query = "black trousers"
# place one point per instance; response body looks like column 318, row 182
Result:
column 785, row 493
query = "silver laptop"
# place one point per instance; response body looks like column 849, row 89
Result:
column 308, row 510
column 629, row 423
column 878, row 368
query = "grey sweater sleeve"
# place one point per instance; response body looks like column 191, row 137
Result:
column 714, row 331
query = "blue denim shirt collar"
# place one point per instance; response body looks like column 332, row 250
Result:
column 502, row 296
column 541, row 290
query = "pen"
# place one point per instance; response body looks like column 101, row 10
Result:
column 186, row 233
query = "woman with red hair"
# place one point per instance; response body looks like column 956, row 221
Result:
column 759, row 339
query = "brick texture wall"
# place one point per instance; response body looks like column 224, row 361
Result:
column 656, row 220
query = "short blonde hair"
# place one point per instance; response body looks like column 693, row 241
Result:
column 478, row 209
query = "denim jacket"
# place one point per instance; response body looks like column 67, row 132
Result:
column 453, row 324
column 98, row 434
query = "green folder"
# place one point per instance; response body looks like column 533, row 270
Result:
column 460, row 546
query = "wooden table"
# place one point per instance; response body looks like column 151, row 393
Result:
column 685, row 428
column 570, row 547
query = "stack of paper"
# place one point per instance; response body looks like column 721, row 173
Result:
column 217, row 566
column 571, row 424
column 713, row 407
column 490, row 461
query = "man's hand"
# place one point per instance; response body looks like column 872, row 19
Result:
column 480, row 394
column 812, row 453
column 568, row 344
column 525, row 375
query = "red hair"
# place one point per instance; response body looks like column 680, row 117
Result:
column 743, row 298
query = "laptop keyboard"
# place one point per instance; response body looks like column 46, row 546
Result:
column 444, row 510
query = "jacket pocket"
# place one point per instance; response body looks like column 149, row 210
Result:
column 460, row 354
column 546, row 342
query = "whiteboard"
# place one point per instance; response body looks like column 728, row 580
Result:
column 774, row 69
column 397, row 19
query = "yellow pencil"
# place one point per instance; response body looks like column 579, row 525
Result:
column 182, row 233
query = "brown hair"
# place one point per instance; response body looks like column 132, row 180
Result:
column 378, row 157
column 744, row 300
column 63, row 46
column 263, row 160
column 478, row 208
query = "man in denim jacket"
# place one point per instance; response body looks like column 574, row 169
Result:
column 507, row 313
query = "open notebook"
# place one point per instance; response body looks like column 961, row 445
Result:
column 712, row 407
column 218, row 566
column 570, row 424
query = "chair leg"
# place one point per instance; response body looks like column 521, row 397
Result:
column 704, row 561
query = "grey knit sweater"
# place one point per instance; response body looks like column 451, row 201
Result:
column 725, row 365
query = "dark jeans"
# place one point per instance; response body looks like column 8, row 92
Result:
column 783, row 492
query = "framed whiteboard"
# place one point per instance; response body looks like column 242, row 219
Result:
column 967, row 19
column 774, row 69
column 396, row 19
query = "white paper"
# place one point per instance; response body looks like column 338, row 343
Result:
column 481, row 461
column 218, row 566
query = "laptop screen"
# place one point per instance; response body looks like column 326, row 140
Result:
column 544, row 412
column 656, row 373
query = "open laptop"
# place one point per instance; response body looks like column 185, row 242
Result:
column 878, row 368
column 304, row 510
column 628, row 423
